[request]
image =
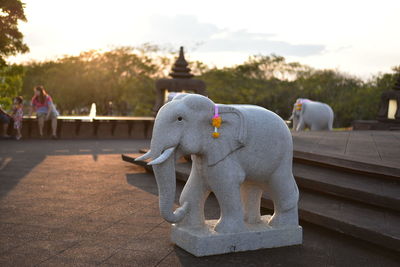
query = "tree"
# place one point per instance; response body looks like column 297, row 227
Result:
column 11, row 79
column 11, row 39
column 123, row 76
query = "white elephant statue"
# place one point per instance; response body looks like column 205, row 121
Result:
column 238, row 152
column 315, row 115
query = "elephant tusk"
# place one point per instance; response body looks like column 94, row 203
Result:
column 163, row 157
column 145, row 156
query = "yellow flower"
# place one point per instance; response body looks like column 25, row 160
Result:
column 216, row 121
column 215, row 134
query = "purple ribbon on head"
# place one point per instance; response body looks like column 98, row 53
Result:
column 303, row 100
column 215, row 111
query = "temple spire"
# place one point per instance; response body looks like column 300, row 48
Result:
column 181, row 82
column 180, row 69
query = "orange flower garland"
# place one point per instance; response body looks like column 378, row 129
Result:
column 216, row 122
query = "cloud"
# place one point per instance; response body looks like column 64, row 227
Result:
column 186, row 29
column 180, row 27
column 238, row 41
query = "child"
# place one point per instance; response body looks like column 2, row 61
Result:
column 5, row 120
column 18, row 114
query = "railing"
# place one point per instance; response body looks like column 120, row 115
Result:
column 92, row 127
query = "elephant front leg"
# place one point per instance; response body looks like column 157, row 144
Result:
column 195, row 194
column 226, row 188
column 301, row 125
column 232, row 218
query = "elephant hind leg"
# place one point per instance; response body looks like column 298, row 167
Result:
column 251, row 198
column 314, row 127
column 285, row 195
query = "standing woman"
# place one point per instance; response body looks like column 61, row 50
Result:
column 45, row 110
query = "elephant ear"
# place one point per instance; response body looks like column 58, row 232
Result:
column 232, row 134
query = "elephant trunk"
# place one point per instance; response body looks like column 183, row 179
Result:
column 164, row 172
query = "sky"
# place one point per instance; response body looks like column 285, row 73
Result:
column 360, row 38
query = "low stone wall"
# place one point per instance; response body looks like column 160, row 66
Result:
column 388, row 125
column 100, row 127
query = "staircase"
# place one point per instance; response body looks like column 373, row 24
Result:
column 356, row 198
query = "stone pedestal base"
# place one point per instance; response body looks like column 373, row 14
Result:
column 205, row 242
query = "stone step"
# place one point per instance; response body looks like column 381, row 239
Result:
column 131, row 158
column 350, row 164
column 329, row 209
column 355, row 186
column 346, row 163
column 355, row 219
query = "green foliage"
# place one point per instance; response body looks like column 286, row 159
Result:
column 270, row 82
column 11, row 78
column 11, row 43
column 126, row 77
column 263, row 80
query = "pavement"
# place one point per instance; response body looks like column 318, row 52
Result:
column 76, row 203
column 379, row 147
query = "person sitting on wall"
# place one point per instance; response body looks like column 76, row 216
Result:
column 5, row 119
column 42, row 103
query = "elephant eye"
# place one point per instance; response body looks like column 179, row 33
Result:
column 179, row 118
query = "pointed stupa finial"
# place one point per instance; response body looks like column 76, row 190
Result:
column 180, row 69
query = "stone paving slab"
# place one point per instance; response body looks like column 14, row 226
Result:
column 374, row 146
column 76, row 203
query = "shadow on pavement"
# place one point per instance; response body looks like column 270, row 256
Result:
column 13, row 169
column 19, row 158
column 140, row 180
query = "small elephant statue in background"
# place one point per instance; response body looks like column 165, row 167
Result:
column 238, row 152
column 315, row 115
